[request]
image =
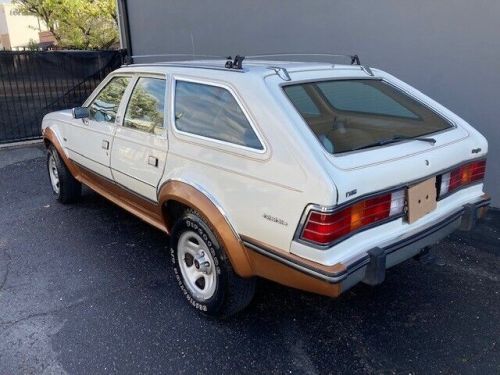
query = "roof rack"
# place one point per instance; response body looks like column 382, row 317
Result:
column 283, row 73
column 176, row 55
column 233, row 65
column 354, row 58
column 188, row 65
column 236, row 64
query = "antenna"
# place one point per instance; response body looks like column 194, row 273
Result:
column 192, row 44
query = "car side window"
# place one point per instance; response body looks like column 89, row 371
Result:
column 145, row 109
column 212, row 112
column 105, row 105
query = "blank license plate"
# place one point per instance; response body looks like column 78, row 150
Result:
column 421, row 199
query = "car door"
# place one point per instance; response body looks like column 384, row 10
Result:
column 89, row 139
column 140, row 144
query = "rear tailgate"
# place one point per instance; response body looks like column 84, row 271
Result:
column 376, row 169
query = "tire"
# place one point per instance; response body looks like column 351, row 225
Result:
column 196, row 254
column 64, row 186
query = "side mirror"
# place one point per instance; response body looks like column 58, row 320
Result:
column 80, row 112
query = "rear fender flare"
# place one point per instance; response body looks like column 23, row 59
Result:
column 197, row 198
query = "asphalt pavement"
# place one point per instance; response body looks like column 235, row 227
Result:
column 86, row 289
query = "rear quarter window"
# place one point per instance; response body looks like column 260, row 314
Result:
column 212, row 112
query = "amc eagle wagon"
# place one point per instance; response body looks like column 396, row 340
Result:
column 317, row 176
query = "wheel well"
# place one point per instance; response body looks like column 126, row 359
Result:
column 173, row 210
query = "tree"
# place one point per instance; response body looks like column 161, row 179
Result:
column 79, row 24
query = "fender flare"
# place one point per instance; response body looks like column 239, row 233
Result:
column 196, row 198
column 50, row 136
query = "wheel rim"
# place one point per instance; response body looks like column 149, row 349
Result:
column 197, row 265
column 54, row 175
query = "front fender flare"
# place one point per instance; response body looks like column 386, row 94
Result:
column 49, row 136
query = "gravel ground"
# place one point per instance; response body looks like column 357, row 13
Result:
column 86, row 289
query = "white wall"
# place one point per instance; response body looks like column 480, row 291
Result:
column 21, row 29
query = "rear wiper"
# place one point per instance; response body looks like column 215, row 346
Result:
column 396, row 138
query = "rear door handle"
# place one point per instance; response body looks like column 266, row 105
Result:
column 105, row 145
column 153, row 161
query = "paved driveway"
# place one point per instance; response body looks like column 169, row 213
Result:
column 85, row 289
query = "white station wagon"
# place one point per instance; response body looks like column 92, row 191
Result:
column 315, row 175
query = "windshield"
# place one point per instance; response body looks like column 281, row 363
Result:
column 353, row 114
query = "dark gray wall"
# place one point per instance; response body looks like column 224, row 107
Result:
column 449, row 49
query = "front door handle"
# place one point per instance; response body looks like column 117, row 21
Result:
column 153, row 161
column 105, row 145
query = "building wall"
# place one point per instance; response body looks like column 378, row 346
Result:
column 19, row 28
column 4, row 33
column 449, row 49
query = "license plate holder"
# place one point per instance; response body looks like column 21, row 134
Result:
column 421, row 199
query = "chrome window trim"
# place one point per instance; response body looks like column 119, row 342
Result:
column 104, row 83
column 128, row 94
column 236, row 97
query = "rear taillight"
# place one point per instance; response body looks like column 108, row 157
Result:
column 461, row 176
column 324, row 228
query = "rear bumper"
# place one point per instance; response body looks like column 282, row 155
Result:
column 369, row 268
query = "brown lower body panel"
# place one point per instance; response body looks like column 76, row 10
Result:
column 272, row 270
column 148, row 211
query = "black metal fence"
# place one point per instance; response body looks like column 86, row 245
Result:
column 35, row 83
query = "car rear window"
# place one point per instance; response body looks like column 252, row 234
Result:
column 350, row 114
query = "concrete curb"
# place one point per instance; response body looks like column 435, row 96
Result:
column 7, row 146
